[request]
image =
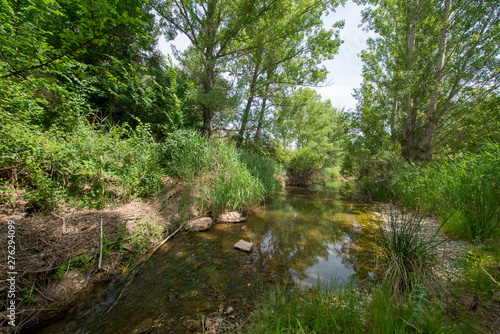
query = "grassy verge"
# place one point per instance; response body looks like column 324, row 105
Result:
column 42, row 170
column 345, row 309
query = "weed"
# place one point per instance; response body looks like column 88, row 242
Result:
column 83, row 262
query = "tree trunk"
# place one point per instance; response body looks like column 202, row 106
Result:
column 262, row 113
column 246, row 111
column 418, row 132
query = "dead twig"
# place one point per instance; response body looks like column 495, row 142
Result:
column 100, row 247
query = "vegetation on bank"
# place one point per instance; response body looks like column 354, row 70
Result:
column 90, row 167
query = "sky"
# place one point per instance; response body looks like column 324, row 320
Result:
column 345, row 68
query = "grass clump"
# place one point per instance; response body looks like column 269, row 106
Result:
column 227, row 179
column 408, row 254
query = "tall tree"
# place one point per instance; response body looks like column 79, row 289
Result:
column 292, row 60
column 222, row 31
column 433, row 59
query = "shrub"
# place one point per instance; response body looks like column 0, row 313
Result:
column 85, row 165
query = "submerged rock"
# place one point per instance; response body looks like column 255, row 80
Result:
column 244, row 245
column 231, row 217
column 200, row 224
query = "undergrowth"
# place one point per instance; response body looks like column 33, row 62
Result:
column 89, row 167
column 86, row 167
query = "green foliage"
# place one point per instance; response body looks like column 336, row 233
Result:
column 303, row 125
column 407, row 255
column 417, row 314
column 465, row 185
column 233, row 187
column 157, row 94
column 83, row 262
column 431, row 72
column 342, row 309
column 481, row 266
column 228, row 179
column 146, row 233
column 263, row 168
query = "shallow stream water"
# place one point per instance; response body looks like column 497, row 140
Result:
column 303, row 236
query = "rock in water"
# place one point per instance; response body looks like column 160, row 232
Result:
column 231, row 217
column 200, row 224
column 244, row 245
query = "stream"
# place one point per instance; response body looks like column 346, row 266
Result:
column 302, row 236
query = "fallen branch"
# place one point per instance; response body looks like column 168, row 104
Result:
column 145, row 260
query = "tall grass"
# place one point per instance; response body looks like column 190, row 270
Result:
column 233, row 186
column 408, row 253
column 263, row 168
column 286, row 309
column 227, row 178
column 466, row 186
column 187, row 154
column 92, row 167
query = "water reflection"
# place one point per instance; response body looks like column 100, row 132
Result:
column 307, row 236
column 314, row 238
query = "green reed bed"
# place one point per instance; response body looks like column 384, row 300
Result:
column 227, row 178
column 465, row 187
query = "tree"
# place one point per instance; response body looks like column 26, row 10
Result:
column 289, row 61
column 432, row 61
column 222, row 31
column 304, row 125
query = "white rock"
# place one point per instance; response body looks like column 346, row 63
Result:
column 200, row 224
column 231, row 217
column 244, row 245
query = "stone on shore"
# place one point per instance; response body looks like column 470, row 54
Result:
column 200, row 224
column 231, row 217
column 244, row 245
